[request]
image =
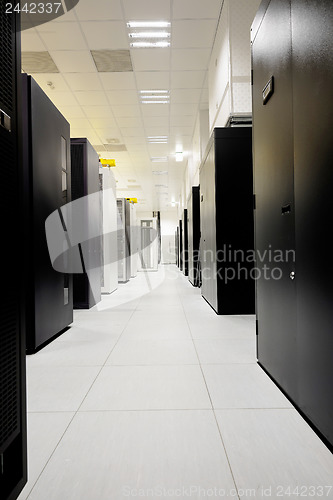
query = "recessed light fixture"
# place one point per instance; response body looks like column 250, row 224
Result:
column 143, row 45
column 155, row 102
column 159, row 172
column 179, row 156
column 154, row 96
column 149, row 34
column 154, row 91
column 159, row 159
column 148, row 24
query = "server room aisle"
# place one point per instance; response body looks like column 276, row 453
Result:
column 152, row 395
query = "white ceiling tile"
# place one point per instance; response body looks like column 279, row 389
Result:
column 196, row 9
column 122, row 97
column 151, row 59
column 91, row 98
column 129, row 121
column 189, row 59
column 184, row 109
column 70, row 61
column 134, row 140
column 78, row 123
column 81, row 132
column 109, row 35
column 72, row 112
column 103, row 123
column 132, row 132
column 193, row 34
column 97, row 111
column 155, row 110
column 183, row 120
column 63, row 98
column 158, row 150
column 156, row 121
column 153, row 80
column 156, row 10
column 185, row 95
column 187, row 79
column 153, row 131
column 118, row 81
column 61, row 36
column 136, row 148
column 83, row 81
column 126, row 110
column 56, row 79
column 179, row 131
column 106, row 134
column 69, row 16
column 30, row 41
column 107, row 9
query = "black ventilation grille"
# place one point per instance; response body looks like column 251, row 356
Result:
column 77, row 171
column 80, row 281
column 9, row 315
column 9, row 374
column 7, row 59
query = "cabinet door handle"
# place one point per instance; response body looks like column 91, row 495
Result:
column 5, row 121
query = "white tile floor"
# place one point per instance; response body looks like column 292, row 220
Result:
column 155, row 396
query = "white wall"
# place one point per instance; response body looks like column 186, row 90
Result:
column 230, row 63
column 169, row 223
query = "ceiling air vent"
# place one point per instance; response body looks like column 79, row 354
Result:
column 38, row 62
column 115, row 147
column 99, row 147
column 112, row 60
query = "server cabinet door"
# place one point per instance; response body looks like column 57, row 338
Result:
column 185, row 243
column 274, row 191
column 190, row 237
column 208, row 229
column 313, row 123
column 181, row 245
column 13, row 436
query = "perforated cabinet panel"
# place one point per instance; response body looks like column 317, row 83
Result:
column 9, row 339
column 13, row 437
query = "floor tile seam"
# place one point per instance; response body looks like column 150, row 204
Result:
column 210, row 398
column 78, row 409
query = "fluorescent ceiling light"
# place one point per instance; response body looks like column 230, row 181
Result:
column 141, row 45
column 149, row 34
column 155, row 102
column 159, row 172
column 158, row 142
column 179, row 156
column 154, row 91
column 159, row 158
column 157, row 137
column 148, row 96
column 148, row 24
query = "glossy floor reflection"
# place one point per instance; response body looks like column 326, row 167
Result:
column 152, row 395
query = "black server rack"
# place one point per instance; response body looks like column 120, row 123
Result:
column 180, row 244
column 47, row 167
column 177, row 245
column 13, row 434
column 185, row 243
column 226, row 212
column 293, row 153
column 85, row 182
column 124, row 244
column 193, row 217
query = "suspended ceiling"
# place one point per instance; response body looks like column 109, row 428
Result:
column 84, row 62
